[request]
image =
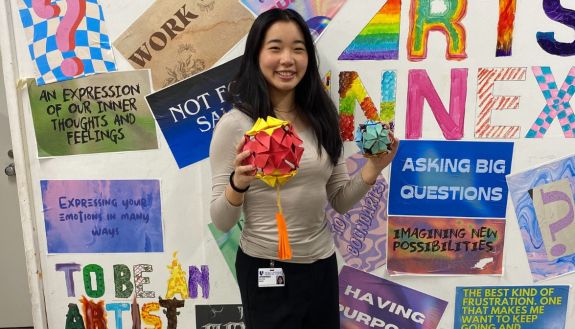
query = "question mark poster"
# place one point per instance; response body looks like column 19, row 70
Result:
column 545, row 208
column 67, row 39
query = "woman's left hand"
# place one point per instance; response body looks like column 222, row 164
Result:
column 375, row 164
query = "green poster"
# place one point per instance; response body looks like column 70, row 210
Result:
column 228, row 243
column 95, row 114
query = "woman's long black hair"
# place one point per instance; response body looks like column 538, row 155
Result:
column 249, row 91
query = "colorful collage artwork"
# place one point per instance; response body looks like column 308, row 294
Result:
column 317, row 13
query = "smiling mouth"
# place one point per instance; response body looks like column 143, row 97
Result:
column 285, row 74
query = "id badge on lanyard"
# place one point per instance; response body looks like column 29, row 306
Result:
column 271, row 276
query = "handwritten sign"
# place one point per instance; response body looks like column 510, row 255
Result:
column 513, row 307
column 435, row 245
column 100, row 113
column 91, row 216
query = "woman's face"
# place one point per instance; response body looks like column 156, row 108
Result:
column 283, row 57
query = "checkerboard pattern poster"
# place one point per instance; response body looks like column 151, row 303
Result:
column 67, row 39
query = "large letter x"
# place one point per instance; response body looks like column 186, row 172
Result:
column 557, row 103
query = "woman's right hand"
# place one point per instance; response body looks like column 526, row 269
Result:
column 243, row 174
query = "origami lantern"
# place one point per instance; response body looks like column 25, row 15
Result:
column 275, row 153
column 372, row 138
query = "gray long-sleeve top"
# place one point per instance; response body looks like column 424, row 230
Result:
column 304, row 197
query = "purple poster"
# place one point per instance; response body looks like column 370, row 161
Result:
column 367, row 301
column 361, row 234
column 94, row 216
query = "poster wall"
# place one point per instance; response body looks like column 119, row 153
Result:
column 472, row 82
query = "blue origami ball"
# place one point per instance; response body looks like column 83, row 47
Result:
column 372, row 138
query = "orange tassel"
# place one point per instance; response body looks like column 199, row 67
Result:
column 284, row 249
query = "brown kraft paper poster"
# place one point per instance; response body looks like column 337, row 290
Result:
column 179, row 38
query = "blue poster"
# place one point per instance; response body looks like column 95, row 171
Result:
column 188, row 111
column 524, row 307
column 95, row 216
column 448, row 178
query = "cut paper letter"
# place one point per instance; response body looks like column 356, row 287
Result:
column 379, row 39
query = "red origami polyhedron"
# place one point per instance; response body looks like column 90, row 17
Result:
column 276, row 150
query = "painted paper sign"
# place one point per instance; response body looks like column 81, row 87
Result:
column 228, row 243
column 367, row 301
column 452, row 179
column 179, row 38
column 67, row 39
column 95, row 216
column 220, row 316
column 100, row 113
column 317, row 13
column 517, row 307
column 439, row 246
column 545, row 208
column 360, row 234
column 188, row 111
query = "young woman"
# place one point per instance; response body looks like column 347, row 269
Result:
column 279, row 77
